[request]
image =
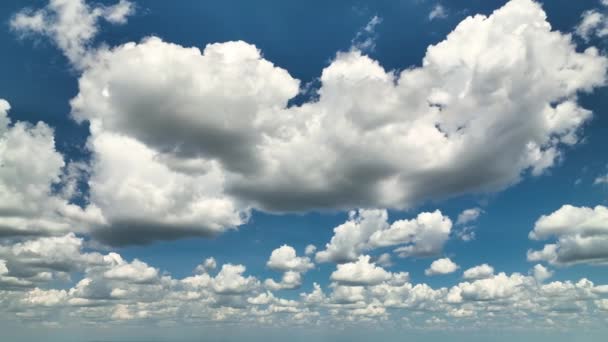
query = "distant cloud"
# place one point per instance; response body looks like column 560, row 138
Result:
column 468, row 216
column 441, row 266
column 581, row 234
column 594, row 23
column 438, row 12
column 601, row 180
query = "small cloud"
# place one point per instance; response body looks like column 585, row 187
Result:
column 601, row 179
column 438, row 12
column 469, row 215
column 365, row 39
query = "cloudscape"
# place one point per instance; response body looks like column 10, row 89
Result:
column 176, row 171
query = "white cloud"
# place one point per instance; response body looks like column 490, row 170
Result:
column 479, row 272
column 208, row 265
column 230, row 280
column 143, row 199
column 70, row 24
column 581, row 233
column 310, row 250
column 593, row 23
column 365, row 230
column 285, row 259
column 28, row 203
column 438, row 12
column 541, row 273
column 290, row 280
column 361, row 272
column 496, row 287
column 441, row 266
column 135, row 271
column 254, row 156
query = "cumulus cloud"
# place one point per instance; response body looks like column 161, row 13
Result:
column 208, row 265
column 581, row 234
column 285, row 259
column 230, row 280
column 479, row 272
column 32, row 200
column 541, row 273
column 361, row 272
column 70, row 24
column 113, row 289
column 310, row 250
column 441, row 266
column 482, row 113
column 255, row 152
column 290, row 280
column 365, row 230
column 143, row 200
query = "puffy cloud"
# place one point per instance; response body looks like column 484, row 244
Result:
column 441, row 266
column 581, row 233
column 497, row 287
column 527, row 92
column 361, row 272
column 310, row 250
column 290, row 280
column 285, row 259
column 230, row 280
column 208, row 265
column 443, row 144
column 135, row 271
column 541, row 273
column 365, row 230
column 31, row 202
column 40, row 260
column 70, row 24
column 142, row 199
column 495, row 100
column 479, row 272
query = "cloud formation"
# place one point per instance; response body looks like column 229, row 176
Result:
column 215, row 138
column 581, row 234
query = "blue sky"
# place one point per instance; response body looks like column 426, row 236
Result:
column 342, row 171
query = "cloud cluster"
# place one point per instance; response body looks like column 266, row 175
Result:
column 581, row 233
column 366, row 230
column 115, row 290
column 33, row 200
column 286, row 260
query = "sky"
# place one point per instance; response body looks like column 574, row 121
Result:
column 330, row 171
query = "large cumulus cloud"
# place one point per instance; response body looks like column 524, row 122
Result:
column 187, row 142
